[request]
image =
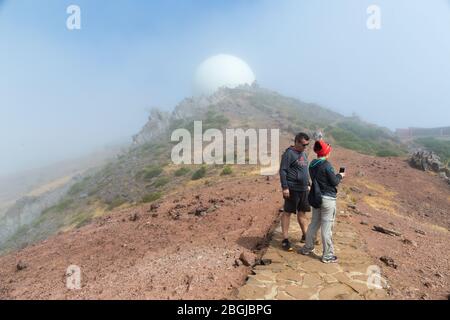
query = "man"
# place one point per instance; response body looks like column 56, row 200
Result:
column 294, row 178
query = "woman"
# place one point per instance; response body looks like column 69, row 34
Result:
column 324, row 217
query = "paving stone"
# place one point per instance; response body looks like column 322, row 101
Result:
column 253, row 281
column 377, row 294
column 300, row 259
column 286, row 255
column 300, row 293
column 266, row 273
column 358, row 268
column 342, row 277
column 311, row 280
column 329, row 279
column 271, row 292
column 272, row 267
column 281, row 295
column 316, row 266
column 352, row 296
column 361, row 277
column 290, row 275
column 264, row 278
column 273, row 256
column 250, row 292
column 359, row 286
column 335, row 292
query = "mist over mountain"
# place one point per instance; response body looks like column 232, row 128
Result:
column 131, row 56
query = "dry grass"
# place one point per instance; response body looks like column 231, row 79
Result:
column 383, row 201
column 382, row 198
column 378, row 188
column 380, row 203
column 52, row 185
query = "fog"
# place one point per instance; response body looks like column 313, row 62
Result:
column 64, row 93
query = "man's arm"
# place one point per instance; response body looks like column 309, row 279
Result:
column 284, row 166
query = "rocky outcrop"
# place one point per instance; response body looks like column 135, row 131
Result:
column 426, row 160
column 429, row 161
column 192, row 108
column 157, row 124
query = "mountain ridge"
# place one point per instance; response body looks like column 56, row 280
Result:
column 143, row 172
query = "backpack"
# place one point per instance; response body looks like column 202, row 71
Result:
column 315, row 195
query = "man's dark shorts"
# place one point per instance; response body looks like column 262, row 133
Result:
column 298, row 201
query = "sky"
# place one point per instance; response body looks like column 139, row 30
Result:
column 64, row 93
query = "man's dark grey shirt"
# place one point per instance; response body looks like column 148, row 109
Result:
column 294, row 173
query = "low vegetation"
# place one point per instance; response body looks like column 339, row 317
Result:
column 214, row 120
column 160, row 182
column 226, row 171
column 117, row 202
column 181, row 172
column 151, row 197
column 366, row 139
column 149, row 173
column 199, row 174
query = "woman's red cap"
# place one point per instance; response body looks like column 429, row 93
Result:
column 322, row 148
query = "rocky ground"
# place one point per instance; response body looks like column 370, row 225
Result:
column 201, row 242
column 415, row 205
column 196, row 244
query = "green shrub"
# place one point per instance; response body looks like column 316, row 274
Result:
column 181, row 172
column 60, row 207
column 151, row 197
column 214, row 120
column 83, row 223
column 200, row 173
column 226, row 171
column 365, row 139
column 161, row 182
column 81, row 220
column 149, row 173
column 117, row 202
column 387, row 153
column 364, row 130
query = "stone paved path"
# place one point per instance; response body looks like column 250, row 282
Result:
column 292, row 276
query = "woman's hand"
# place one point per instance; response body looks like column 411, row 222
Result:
column 286, row 194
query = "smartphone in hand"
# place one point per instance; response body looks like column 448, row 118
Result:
column 342, row 170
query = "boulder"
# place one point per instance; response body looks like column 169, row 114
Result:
column 410, row 242
column 134, row 216
column 389, row 232
column 426, row 160
column 389, row 262
column 21, row 266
